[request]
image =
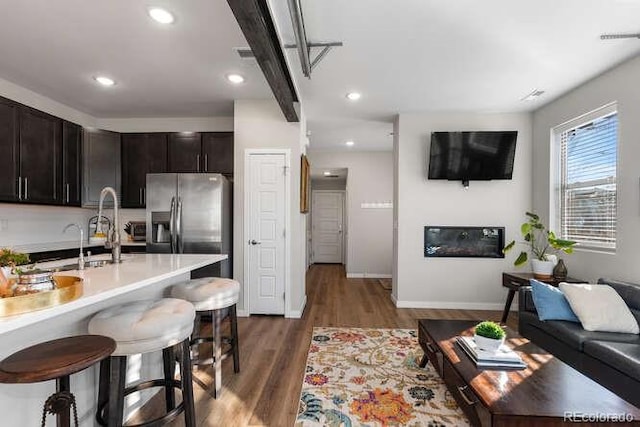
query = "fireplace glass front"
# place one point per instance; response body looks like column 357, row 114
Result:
column 480, row 242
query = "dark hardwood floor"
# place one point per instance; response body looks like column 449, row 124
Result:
column 273, row 350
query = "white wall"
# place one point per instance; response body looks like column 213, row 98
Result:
column 454, row 282
column 30, row 224
column 260, row 124
column 27, row 97
column 619, row 84
column 369, row 231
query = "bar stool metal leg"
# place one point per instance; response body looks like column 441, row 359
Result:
column 187, row 384
column 169, row 373
column 217, row 352
column 103, row 389
column 234, row 338
column 63, row 417
column 117, row 384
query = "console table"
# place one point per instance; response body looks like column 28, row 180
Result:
column 513, row 282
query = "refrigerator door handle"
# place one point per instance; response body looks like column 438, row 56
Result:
column 179, row 248
column 172, row 228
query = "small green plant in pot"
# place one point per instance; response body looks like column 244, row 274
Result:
column 11, row 259
column 541, row 242
column 489, row 336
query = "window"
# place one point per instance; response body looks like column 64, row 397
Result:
column 587, row 150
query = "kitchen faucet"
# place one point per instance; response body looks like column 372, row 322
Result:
column 113, row 237
column 81, row 256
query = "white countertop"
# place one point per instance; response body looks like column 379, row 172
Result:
column 59, row 246
column 135, row 272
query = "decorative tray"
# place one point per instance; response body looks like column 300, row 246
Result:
column 67, row 289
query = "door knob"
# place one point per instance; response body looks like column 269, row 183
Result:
column 253, row 242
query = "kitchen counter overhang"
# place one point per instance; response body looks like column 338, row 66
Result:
column 137, row 271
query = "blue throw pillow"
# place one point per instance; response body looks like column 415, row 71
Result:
column 551, row 302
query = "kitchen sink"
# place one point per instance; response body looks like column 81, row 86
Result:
column 74, row 266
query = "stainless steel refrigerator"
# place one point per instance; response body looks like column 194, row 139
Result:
column 190, row 213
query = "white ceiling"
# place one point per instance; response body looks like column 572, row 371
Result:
column 456, row 55
column 56, row 47
column 412, row 55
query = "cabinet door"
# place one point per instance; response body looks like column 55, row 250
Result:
column 142, row 153
column 71, row 163
column 185, row 152
column 9, row 149
column 101, row 165
column 40, row 142
column 217, row 150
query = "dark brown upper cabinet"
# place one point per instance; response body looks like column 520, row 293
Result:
column 10, row 151
column 40, row 141
column 142, row 153
column 217, row 152
column 71, row 164
column 194, row 152
column 185, row 152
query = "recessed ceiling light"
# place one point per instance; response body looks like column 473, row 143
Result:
column 353, row 96
column 235, row 78
column 160, row 15
column 327, row 173
column 349, row 143
column 104, row 81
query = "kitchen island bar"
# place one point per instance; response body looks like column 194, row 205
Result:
column 139, row 276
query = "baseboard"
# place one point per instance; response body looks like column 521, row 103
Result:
column 394, row 299
column 368, row 276
column 297, row 314
column 449, row 305
column 242, row 313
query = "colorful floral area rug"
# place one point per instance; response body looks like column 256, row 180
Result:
column 371, row 377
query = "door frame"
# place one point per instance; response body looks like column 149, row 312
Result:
column 343, row 259
column 248, row 152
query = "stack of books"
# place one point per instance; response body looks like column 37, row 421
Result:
column 503, row 358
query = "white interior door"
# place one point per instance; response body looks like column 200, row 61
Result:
column 266, row 233
column 326, row 226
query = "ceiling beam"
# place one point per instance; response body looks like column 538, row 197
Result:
column 257, row 26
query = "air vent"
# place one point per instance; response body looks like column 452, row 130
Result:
column 245, row 52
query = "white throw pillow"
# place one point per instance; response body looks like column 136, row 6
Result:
column 600, row 308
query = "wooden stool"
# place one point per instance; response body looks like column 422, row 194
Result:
column 143, row 327
column 217, row 297
column 56, row 359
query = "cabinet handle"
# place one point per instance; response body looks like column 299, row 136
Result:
column 67, row 189
column 144, row 196
column 206, row 163
column 19, row 188
column 464, row 396
column 198, row 162
column 26, row 188
column 140, row 195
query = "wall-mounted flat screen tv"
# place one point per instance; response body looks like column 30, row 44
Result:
column 465, row 156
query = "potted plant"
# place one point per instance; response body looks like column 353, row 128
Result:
column 541, row 242
column 9, row 260
column 489, row 336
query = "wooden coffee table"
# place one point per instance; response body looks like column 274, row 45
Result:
column 544, row 394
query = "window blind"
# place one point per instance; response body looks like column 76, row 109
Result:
column 588, row 159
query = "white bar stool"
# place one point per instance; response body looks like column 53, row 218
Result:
column 218, row 297
column 144, row 327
